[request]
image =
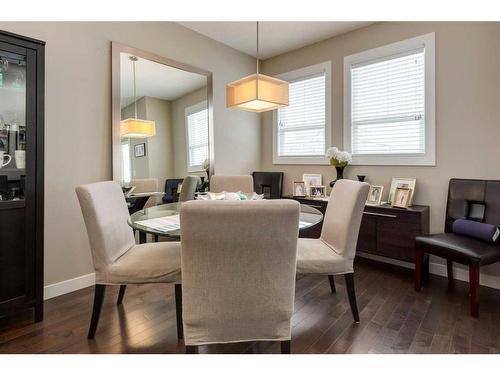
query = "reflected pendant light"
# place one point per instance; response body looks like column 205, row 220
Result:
column 257, row 92
column 134, row 127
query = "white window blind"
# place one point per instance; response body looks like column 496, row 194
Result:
column 197, row 138
column 302, row 125
column 126, row 168
column 388, row 105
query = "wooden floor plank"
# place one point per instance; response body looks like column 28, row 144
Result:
column 394, row 319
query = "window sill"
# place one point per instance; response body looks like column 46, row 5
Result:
column 301, row 160
column 381, row 160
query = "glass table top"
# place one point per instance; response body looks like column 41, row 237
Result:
column 163, row 220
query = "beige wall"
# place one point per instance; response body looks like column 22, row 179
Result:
column 78, row 117
column 467, row 106
column 179, row 130
column 160, row 150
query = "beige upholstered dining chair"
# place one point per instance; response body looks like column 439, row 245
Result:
column 188, row 189
column 238, row 271
column 333, row 253
column 117, row 259
column 243, row 183
column 146, row 185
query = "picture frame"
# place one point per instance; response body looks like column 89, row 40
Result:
column 311, row 180
column 401, row 197
column 140, row 150
column 299, row 189
column 375, row 195
column 402, row 182
column 318, row 191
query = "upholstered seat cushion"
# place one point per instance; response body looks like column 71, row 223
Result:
column 315, row 256
column 459, row 248
column 158, row 262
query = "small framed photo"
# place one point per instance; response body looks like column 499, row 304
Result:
column 4, row 140
column 401, row 197
column 317, row 191
column 140, row 150
column 311, row 180
column 299, row 189
column 374, row 195
column 405, row 183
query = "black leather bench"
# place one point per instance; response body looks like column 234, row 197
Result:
column 467, row 199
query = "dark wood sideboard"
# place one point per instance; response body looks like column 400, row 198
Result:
column 385, row 231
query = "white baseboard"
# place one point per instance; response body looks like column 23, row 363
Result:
column 68, row 286
column 440, row 270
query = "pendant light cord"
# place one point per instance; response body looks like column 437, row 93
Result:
column 257, row 49
column 135, row 98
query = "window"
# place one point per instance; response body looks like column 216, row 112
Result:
column 196, row 136
column 302, row 131
column 389, row 104
column 126, row 168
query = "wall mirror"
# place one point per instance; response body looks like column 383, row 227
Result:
column 162, row 122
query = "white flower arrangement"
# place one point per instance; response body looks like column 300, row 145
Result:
column 206, row 164
column 338, row 158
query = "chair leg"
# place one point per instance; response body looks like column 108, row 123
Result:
column 121, row 294
column 286, row 347
column 419, row 259
column 349, row 283
column 474, row 286
column 332, row 283
column 449, row 269
column 178, row 311
column 191, row 349
column 96, row 311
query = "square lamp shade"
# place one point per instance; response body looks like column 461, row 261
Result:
column 257, row 93
column 136, row 128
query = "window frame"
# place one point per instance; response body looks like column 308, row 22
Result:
column 296, row 75
column 189, row 111
column 426, row 41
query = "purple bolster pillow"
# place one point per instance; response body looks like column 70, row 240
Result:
column 481, row 231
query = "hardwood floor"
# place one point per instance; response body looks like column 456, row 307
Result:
column 394, row 319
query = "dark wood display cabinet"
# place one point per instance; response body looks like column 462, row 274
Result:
column 21, row 174
column 385, row 231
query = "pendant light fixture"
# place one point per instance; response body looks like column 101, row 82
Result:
column 257, row 92
column 134, row 127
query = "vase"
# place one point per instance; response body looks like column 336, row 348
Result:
column 340, row 175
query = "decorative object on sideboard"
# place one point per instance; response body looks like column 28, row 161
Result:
column 317, row 191
column 311, row 180
column 401, row 197
column 340, row 160
column 204, row 186
column 140, row 150
column 257, row 92
column 299, row 189
column 361, row 178
column 375, row 195
column 402, row 182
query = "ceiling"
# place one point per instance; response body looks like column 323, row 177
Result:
column 274, row 37
column 155, row 80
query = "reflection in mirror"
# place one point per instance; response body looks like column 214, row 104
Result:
column 164, row 128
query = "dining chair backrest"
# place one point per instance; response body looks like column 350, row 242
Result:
column 238, row 269
column 343, row 216
column 243, row 183
column 188, row 189
column 146, row 185
column 105, row 214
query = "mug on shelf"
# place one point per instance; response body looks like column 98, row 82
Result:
column 3, row 155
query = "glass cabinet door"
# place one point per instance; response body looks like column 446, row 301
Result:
column 12, row 126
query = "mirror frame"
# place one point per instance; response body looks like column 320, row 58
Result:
column 116, row 49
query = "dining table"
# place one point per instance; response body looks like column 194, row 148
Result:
column 163, row 220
